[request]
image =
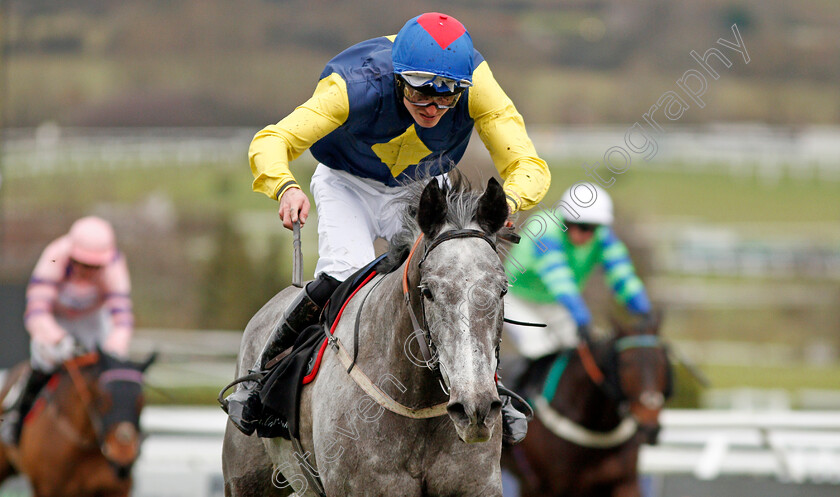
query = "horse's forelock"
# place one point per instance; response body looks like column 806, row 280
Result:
column 461, row 202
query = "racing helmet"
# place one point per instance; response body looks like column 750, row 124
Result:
column 591, row 202
column 433, row 53
column 92, row 241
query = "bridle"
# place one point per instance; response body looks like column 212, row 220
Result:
column 610, row 384
column 420, row 333
column 94, row 416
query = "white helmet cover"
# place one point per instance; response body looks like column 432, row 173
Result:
column 590, row 202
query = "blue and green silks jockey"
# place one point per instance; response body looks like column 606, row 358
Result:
column 554, row 267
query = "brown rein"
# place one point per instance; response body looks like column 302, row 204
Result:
column 73, row 369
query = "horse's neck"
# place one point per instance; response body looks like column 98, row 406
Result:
column 70, row 405
column 584, row 402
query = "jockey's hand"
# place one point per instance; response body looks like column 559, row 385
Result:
column 294, row 206
column 647, row 323
column 508, row 232
column 54, row 355
column 46, row 330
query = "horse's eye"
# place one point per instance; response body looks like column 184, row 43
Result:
column 426, row 293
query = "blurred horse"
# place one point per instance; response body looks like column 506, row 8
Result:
column 598, row 403
column 402, row 430
column 82, row 435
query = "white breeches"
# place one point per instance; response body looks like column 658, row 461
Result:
column 88, row 331
column 352, row 213
column 532, row 342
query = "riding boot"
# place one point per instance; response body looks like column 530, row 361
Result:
column 514, row 423
column 13, row 419
column 243, row 406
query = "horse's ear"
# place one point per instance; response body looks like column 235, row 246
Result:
column 492, row 209
column 148, row 362
column 431, row 213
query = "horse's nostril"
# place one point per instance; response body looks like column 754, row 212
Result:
column 458, row 412
column 650, row 433
column 495, row 408
column 123, row 472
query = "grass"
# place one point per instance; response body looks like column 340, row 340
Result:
column 639, row 194
column 204, row 395
column 708, row 197
column 781, row 377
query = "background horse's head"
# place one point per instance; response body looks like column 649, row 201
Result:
column 461, row 285
column 642, row 375
column 117, row 399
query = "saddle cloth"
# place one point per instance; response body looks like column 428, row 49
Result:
column 282, row 386
column 525, row 376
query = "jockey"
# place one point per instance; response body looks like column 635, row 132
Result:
column 78, row 297
column 385, row 112
column 554, row 268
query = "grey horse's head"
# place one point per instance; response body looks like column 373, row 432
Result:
column 462, row 282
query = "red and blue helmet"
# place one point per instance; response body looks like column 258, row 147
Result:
column 434, row 52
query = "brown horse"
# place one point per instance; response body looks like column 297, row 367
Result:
column 82, row 435
column 594, row 407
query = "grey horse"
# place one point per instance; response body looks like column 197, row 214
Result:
column 350, row 440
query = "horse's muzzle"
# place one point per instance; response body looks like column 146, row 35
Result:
column 650, row 433
column 121, row 448
column 475, row 420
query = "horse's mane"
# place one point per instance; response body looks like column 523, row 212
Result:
column 461, row 205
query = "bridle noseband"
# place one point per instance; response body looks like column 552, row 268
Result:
column 420, row 333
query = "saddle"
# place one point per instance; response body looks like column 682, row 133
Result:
column 280, row 393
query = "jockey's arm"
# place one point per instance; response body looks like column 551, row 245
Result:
column 42, row 292
column 278, row 144
column 502, row 130
column 119, row 306
column 621, row 275
column 553, row 267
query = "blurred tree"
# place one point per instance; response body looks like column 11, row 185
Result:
column 686, row 390
column 228, row 296
column 737, row 14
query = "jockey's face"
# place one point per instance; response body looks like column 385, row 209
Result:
column 84, row 271
column 580, row 234
column 425, row 117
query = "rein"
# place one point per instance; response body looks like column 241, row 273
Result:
column 79, row 384
column 596, row 374
column 419, row 333
column 73, row 368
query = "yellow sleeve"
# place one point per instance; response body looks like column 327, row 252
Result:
column 278, row 144
column 502, row 130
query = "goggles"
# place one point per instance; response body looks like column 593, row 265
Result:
column 422, row 78
column 420, row 99
column 82, row 265
column 585, row 227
